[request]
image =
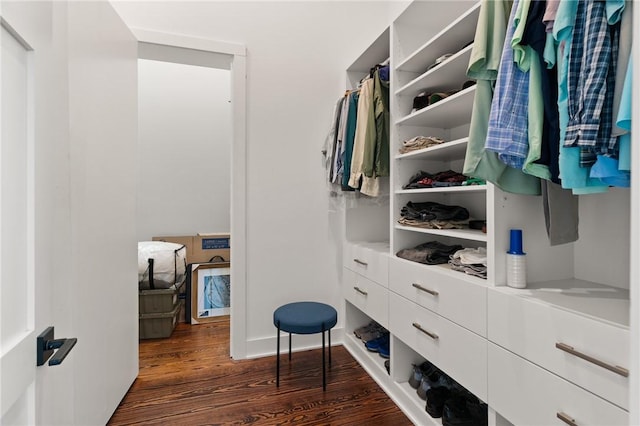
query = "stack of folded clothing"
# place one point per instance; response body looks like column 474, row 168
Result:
column 375, row 338
column 430, row 253
column 441, row 179
column 419, row 142
column 434, row 215
column 470, row 261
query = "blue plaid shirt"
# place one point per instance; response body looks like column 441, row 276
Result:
column 508, row 124
column 592, row 62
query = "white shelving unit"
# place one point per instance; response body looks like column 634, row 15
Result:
column 570, row 329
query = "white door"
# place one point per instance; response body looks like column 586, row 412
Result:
column 17, row 333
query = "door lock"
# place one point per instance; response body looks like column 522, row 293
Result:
column 46, row 345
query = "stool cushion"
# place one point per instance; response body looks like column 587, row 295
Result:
column 305, row 317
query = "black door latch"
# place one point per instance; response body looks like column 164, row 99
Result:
column 46, row 345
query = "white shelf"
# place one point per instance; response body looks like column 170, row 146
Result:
column 445, row 269
column 377, row 52
column 450, row 112
column 448, row 151
column 450, row 189
column 454, row 36
column 411, row 398
column 464, row 234
column 448, row 75
column 594, row 300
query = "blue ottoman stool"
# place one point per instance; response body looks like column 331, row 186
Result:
column 305, row 318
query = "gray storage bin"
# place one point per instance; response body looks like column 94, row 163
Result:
column 159, row 325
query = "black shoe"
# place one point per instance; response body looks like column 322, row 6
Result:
column 436, row 398
column 464, row 410
column 387, row 367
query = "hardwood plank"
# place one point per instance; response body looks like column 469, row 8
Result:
column 190, row 379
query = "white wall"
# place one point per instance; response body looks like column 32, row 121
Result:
column 183, row 149
column 296, row 56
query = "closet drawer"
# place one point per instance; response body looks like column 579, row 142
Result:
column 366, row 295
column 539, row 332
column 370, row 260
column 526, row 394
column 457, row 351
column 457, row 299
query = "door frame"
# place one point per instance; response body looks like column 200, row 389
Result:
column 237, row 54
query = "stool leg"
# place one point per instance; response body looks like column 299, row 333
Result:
column 324, row 374
column 278, row 359
column 289, row 347
column 329, row 331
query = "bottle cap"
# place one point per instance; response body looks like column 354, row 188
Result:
column 515, row 242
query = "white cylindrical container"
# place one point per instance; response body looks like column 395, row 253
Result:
column 517, row 270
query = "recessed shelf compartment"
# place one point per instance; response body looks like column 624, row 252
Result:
column 448, row 75
column 451, row 189
column 463, row 234
column 455, row 36
column 450, row 112
column 447, row 151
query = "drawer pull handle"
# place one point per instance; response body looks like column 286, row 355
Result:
column 361, row 291
column 360, row 262
column 419, row 287
column 434, row 336
column 565, row 418
column 615, row 368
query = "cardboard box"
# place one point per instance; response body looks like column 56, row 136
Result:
column 206, row 246
column 202, row 248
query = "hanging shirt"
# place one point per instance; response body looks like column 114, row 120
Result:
column 508, row 125
column 348, row 141
column 376, row 155
column 591, row 76
column 368, row 186
column 544, row 132
column 624, row 53
column 624, row 120
column 549, row 17
column 483, row 66
column 339, row 157
column 571, row 174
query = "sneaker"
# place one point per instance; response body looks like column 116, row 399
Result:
column 374, row 345
column 464, row 410
column 435, row 378
column 367, row 328
column 436, row 398
column 418, row 371
column 384, row 350
column 387, row 367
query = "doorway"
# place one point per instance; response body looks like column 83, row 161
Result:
column 177, row 49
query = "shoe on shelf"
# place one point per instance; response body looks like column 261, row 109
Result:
column 374, row 345
column 464, row 410
column 426, row 368
column 387, row 366
column 370, row 335
column 431, row 379
column 384, row 350
column 436, row 398
column 367, row 328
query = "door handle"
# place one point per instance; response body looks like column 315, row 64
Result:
column 46, row 345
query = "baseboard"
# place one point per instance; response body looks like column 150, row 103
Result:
column 258, row 348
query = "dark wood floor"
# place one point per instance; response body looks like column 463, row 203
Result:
column 189, row 379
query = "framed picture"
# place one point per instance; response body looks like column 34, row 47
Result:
column 210, row 291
